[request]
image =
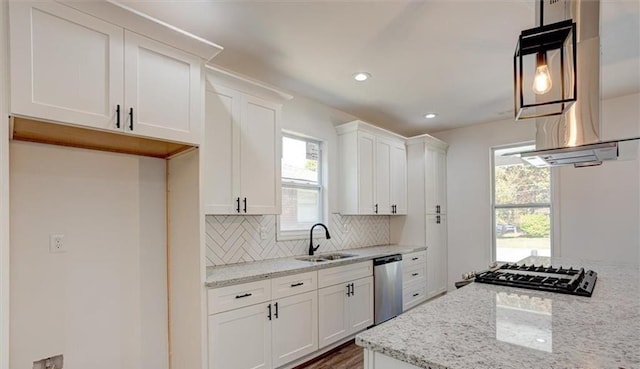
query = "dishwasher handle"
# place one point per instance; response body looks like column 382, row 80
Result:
column 387, row 259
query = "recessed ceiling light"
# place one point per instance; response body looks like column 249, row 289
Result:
column 541, row 340
column 430, row 115
column 361, row 76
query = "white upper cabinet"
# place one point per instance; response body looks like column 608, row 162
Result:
column 163, row 91
column 435, row 178
column 242, row 149
column 365, row 171
column 373, row 174
column 260, row 141
column 66, row 66
column 73, row 68
column 399, row 178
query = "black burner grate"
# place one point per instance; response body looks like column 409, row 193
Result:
column 543, row 278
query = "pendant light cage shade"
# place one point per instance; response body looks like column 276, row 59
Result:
column 544, row 70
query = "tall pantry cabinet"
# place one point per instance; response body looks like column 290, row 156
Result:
column 427, row 220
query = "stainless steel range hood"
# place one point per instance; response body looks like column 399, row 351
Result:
column 574, row 137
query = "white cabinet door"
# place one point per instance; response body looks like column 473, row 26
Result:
column 260, row 141
column 295, row 329
column 163, row 91
column 366, row 173
column 240, row 339
column 435, row 178
column 66, row 66
column 333, row 320
column 441, row 182
column 221, row 150
column 399, row 178
column 383, row 176
column 361, row 305
column 436, row 254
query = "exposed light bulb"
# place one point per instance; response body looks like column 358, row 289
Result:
column 542, row 78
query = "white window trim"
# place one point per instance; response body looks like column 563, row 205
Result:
column 553, row 207
column 318, row 233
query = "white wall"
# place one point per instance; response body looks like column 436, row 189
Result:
column 103, row 303
column 4, row 190
column 598, row 207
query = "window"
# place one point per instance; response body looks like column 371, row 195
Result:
column 521, row 206
column 302, row 190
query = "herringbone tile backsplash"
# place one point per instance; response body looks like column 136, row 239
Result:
column 235, row 239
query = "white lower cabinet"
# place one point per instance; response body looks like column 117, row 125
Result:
column 414, row 279
column 294, row 331
column 240, row 339
column 268, row 334
column 345, row 309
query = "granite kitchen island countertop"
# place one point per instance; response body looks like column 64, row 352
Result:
column 227, row 275
column 483, row 326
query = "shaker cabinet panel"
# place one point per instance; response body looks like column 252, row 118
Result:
column 295, row 329
column 436, row 255
column 260, row 156
column 361, row 305
column 333, row 320
column 366, row 173
column 163, row 91
column 66, row 66
column 383, row 177
column 221, row 151
column 240, row 339
column 241, row 153
column 373, row 168
column 399, row 178
column 72, row 68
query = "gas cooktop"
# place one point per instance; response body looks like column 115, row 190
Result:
column 543, row 278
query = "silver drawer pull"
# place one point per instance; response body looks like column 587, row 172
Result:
column 242, row 296
column 416, row 294
column 414, row 274
column 297, row 284
column 415, row 259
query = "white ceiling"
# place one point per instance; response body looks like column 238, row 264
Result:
column 449, row 57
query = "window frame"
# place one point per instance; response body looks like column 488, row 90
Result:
column 553, row 201
column 288, row 235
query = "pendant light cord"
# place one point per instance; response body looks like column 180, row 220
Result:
column 541, row 13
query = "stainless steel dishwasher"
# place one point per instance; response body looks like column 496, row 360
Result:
column 387, row 275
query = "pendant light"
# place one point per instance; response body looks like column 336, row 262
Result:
column 544, row 69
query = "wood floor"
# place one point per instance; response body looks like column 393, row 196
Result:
column 346, row 357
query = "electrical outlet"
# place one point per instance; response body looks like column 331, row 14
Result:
column 345, row 228
column 56, row 362
column 263, row 233
column 56, row 243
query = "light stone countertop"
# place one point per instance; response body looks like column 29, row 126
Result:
column 484, row 326
column 227, row 275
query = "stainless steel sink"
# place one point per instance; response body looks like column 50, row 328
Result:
column 336, row 256
column 321, row 258
column 312, row 259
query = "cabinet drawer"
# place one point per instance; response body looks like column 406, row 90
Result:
column 341, row 274
column 414, row 274
column 413, row 296
column 294, row 284
column 234, row 297
column 414, row 258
